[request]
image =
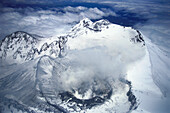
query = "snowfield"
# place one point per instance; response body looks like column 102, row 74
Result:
column 96, row 67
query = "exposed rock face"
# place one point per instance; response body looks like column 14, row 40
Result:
column 21, row 46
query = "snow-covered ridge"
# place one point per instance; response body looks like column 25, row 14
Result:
column 86, row 26
column 21, row 46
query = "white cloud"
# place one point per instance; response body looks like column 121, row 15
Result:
column 46, row 23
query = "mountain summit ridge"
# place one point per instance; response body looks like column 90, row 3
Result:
column 21, row 46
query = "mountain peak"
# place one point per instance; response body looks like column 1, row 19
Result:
column 86, row 22
column 86, row 19
column 24, row 46
column 19, row 36
column 86, row 25
column 18, row 33
column 103, row 22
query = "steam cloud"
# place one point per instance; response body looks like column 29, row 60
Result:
column 101, row 62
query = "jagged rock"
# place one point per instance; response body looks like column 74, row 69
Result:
column 21, row 46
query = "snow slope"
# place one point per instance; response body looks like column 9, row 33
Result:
column 150, row 79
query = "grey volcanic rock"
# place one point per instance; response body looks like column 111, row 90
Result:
column 22, row 46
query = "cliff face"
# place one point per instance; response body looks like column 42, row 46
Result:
column 21, row 46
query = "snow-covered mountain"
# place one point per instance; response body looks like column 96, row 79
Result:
column 21, row 46
column 84, row 70
column 24, row 46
